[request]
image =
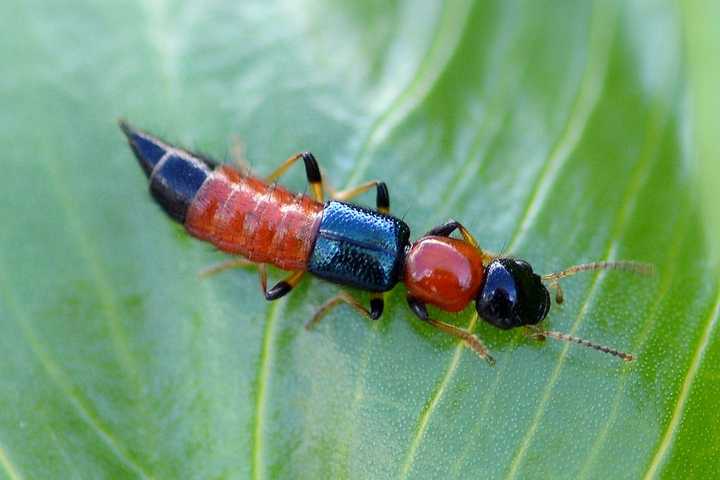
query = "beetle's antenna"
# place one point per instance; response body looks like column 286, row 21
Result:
column 553, row 279
column 542, row 334
column 626, row 265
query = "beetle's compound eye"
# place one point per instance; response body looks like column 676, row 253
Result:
column 512, row 295
column 497, row 300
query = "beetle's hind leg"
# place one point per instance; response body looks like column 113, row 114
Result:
column 229, row 264
column 312, row 171
column 315, row 179
column 237, row 154
column 280, row 289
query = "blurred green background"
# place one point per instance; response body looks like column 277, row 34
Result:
column 561, row 132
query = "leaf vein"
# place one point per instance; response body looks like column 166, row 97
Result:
column 647, row 327
column 592, row 84
column 424, row 419
column 450, row 29
column 677, row 414
column 61, row 381
column 9, row 466
column 261, row 399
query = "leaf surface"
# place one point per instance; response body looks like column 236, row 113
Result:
column 561, row 132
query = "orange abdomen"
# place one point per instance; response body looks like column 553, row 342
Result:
column 264, row 223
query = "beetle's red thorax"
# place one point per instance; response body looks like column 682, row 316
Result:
column 444, row 272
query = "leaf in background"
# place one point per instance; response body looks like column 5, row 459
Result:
column 561, row 133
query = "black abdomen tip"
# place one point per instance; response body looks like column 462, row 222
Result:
column 175, row 174
column 147, row 149
column 175, row 182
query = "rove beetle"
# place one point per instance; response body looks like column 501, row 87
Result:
column 349, row 245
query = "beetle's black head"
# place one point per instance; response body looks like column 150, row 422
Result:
column 513, row 295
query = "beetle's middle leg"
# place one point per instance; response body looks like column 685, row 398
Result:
column 345, row 297
column 382, row 204
column 382, row 199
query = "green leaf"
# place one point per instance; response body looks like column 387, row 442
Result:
column 560, row 132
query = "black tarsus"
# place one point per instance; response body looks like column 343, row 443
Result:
column 383, row 197
column 418, row 308
column 377, row 306
column 280, row 289
column 445, row 229
column 312, row 170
